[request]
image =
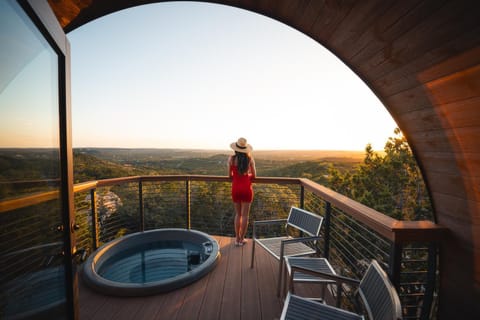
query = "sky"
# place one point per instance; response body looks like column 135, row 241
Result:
column 197, row 75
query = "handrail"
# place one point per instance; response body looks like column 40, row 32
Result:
column 390, row 228
column 30, row 200
column 84, row 186
column 395, row 230
column 37, row 198
column 277, row 180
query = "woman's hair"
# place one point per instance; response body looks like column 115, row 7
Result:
column 243, row 160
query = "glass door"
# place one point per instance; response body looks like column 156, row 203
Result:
column 36, row 273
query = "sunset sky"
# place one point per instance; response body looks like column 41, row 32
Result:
column 196, row 75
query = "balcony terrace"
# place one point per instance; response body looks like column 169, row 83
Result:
column 420, row 57
column 353, row 234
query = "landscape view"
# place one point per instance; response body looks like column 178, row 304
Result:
column 106, row 163
column 388, row 181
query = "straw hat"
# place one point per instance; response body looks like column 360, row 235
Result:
column 241, row 146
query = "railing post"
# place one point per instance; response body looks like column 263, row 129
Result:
column 140, row 200
column 302, row 197
column 432, row 268
column 328, row 213
column 187, row 198
column 395, row 264
column 93, row 204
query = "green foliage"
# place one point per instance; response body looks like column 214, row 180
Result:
column 26, row 171
column 391, row 183
column 88, row 167
column 313, row 170
column 164, row 204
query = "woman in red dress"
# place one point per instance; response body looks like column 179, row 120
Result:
column 241, row 169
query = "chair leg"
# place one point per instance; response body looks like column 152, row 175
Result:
column 280, row 277
column 284, row 287
column 287, row 284
column 339, row 294
column 324, row 287
column 253, row 253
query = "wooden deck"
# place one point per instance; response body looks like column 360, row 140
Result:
column 231, row 291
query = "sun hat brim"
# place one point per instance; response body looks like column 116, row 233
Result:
column 247, row 149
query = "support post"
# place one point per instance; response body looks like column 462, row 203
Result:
column 328, row 213
column 140, row 200
column 395, row 264
column 432, row 269
column 93, row 204
column 302, row 197
column 187, row 198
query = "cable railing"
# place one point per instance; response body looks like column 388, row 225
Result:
column 353, row 234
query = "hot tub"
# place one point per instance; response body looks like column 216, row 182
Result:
column 151, row 262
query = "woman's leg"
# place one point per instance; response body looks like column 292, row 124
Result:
column 237, row 221
column 245, row 211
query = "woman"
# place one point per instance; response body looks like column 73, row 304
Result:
column 241, row 169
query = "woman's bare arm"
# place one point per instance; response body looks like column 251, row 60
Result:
column 253, row 169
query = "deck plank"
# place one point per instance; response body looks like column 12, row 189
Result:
column 150, row 307
column 129, row 309
column 231, row 299
column 213, row 295
column 267, row 279
column 193, row 298
column 90, row 302
column 232, row 290
column 196, row 294
column 250, row 296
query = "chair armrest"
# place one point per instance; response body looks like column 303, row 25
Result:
column 339, row 280
column 300, row 239
column 335, row 277
column 276, row 221
column 295, row 240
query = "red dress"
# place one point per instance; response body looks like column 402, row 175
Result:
column 242, row 190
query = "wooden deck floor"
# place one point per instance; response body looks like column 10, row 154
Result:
column 231, row 291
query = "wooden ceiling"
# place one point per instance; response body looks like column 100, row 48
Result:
column 422, row 59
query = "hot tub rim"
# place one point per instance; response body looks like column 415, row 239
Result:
column 114, row 288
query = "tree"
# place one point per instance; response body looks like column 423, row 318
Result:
column 390, row 183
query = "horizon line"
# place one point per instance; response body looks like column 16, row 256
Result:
column 188, row 149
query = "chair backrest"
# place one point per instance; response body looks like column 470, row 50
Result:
column 305, row 221
column 379, row 295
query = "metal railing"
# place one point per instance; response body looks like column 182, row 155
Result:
column 353, row 234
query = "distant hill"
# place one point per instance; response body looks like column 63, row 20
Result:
column 129, row 154
column 134, row 154
column 312, row 164
column 306, row 155
column 41, row 165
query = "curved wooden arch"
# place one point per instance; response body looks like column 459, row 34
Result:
column 422, row 59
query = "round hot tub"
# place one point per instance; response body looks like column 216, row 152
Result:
column 151, row 262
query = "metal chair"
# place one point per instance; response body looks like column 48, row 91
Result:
column 317, row 264
column 304, row 222
column 378, row 295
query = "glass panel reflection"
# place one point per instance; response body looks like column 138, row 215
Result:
column 32, row 280
column 29, row 136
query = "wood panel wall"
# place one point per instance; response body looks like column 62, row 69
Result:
column 422, row 59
